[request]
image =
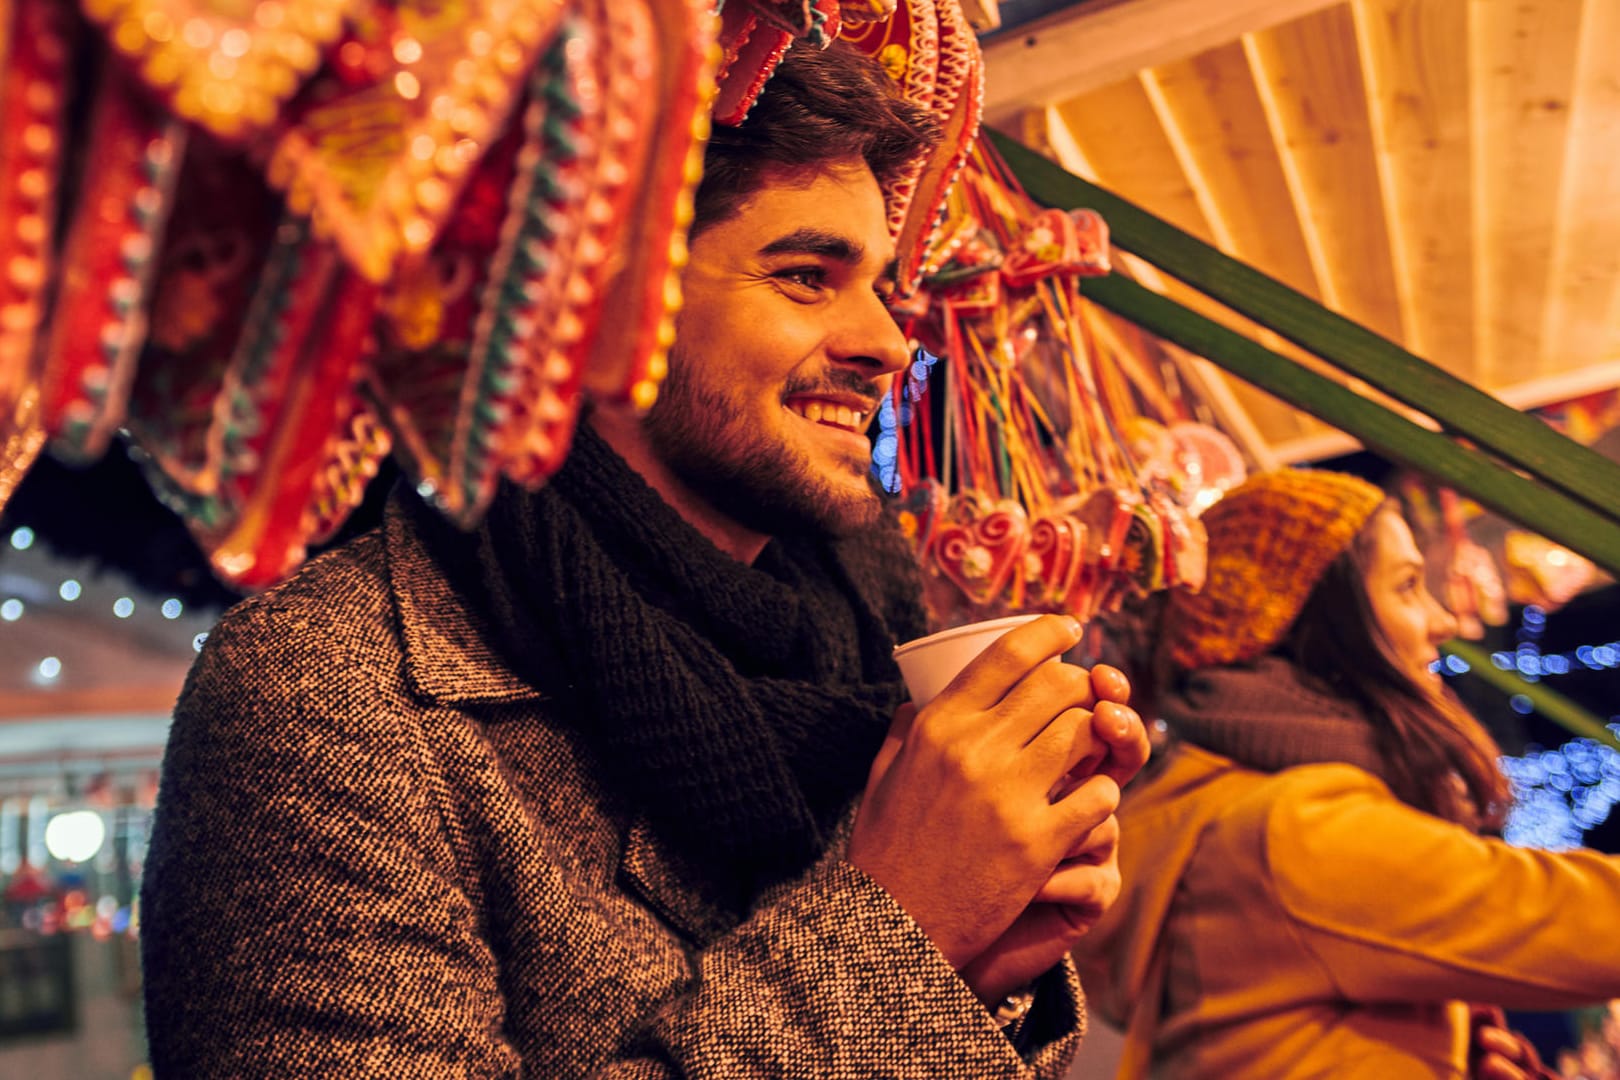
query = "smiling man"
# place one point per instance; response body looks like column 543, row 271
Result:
column 782, row 353
column 622, row 784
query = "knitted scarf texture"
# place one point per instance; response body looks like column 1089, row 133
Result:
column 739, row 706
column 1265, row 716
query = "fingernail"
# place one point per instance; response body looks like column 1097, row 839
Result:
column 1121, row 716
column 1076, row 627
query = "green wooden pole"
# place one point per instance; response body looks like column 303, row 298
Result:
column 1546, row 701
column 1458, row 407
column 1544, row 510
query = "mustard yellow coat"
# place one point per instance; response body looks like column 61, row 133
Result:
column 1308, row 924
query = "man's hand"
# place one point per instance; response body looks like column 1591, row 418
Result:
column 959, row 822
column 1084, row 885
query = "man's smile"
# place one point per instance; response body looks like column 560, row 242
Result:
column 843, row 411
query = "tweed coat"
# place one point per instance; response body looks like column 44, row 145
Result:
column 1307, row 923
column 376, row 854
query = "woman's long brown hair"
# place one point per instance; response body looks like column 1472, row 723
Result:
column 1428, row 740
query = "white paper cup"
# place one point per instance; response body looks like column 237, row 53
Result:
column 928, row 664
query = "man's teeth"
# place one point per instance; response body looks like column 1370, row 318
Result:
column 827, row 413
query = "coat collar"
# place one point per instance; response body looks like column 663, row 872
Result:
column 449, row 661
column 449, row 658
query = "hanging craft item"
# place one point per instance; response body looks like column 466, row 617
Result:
column 107, row 268
column 1473, row 588
column 1054, row 489
column 279, row 239
column 36, row 53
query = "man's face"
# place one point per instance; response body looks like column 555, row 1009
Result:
column 782, row 352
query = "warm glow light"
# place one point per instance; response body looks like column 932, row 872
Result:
column 75, row 836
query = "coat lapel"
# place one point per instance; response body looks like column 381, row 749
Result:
column 667, row 884
column 449, row 658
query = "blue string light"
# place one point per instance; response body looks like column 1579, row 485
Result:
column 1560, row 794
column 886, row 448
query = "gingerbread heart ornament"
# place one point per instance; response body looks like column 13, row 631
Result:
column 981, row 556
column 1056, row 546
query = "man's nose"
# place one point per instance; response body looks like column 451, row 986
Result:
column 869, row 337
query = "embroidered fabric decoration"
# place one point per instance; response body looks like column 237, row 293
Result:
column 285, row 238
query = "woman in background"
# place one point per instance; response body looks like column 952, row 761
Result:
column 1307, row 890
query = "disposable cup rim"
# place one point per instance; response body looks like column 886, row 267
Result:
column 1006, row 622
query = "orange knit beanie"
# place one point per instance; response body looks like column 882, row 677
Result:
column 1270, row 540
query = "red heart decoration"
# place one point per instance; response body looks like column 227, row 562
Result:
column 980, row 557
column 1053, row 560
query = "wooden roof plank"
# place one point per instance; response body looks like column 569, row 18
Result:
column 1257, row 419
column 1522, row 58
column 1251, row 415
column 1093, row 44
column 1117, row 129
column 1309, row 78
column 1581, row 327
column 1217, row 124
column 1417, row 97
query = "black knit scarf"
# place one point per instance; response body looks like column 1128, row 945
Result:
column 739, row 706
column 1265, row 716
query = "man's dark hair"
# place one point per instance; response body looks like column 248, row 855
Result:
column 821, row 106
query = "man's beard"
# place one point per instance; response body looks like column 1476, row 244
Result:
column 703, row 438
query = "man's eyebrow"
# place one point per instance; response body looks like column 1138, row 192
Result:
column 818, row 242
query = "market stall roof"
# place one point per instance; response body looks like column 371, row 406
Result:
column 1437, row 170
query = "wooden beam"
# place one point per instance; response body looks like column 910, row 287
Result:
column 1094, row 44
column 1111, row 138
column 1522, row 59
column 982, row 15
column 1308, row 75
column 1214, row 118
column 1120, row 134
column 1585, row 277
column 1416, row 72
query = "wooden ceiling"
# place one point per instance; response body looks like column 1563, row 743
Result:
column 1446, row 172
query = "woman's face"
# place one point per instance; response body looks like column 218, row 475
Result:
column 1412, row 620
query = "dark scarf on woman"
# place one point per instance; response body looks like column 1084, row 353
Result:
column 739, row 706
column 1266, row 716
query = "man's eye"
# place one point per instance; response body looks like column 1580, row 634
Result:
column 806, row 277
